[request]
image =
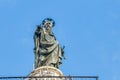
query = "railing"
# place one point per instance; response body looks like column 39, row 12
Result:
column 51, row 78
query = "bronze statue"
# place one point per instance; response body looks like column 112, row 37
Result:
column 47, row 50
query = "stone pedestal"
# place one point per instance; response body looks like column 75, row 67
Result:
column 46, row 73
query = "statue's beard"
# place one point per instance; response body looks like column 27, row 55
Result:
column 48, row 29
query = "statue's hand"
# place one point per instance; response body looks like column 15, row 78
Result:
column 63, row 53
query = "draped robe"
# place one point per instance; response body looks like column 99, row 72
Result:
column 47, row 49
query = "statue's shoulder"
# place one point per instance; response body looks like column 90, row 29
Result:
column 39, row 29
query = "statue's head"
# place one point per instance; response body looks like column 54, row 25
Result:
column 48, row 22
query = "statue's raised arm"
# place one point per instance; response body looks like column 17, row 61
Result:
column 37, row 38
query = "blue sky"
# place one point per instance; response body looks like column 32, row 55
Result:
column 89, row 29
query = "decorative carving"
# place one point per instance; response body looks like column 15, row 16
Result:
column 45, row 71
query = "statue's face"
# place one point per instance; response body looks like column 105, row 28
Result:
column 48, row 25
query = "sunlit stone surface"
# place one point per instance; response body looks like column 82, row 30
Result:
column 44, row 72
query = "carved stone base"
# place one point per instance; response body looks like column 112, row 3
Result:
column 43, row 73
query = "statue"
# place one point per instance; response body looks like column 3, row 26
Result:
column 47, row 50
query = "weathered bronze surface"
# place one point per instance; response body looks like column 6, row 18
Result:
column 47, row 50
